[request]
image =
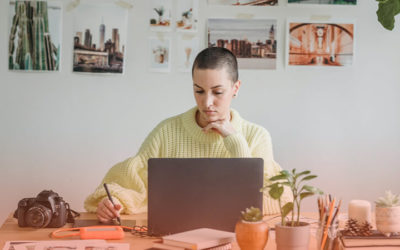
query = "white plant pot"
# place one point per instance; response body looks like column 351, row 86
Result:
column 388, row 219
column 292, row 238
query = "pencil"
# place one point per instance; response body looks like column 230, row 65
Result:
column 112, row 202
column 332, row 204
column 336, row 212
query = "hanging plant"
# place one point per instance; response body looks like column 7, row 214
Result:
column 387, row 10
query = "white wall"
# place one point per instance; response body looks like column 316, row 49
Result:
column 63, row 131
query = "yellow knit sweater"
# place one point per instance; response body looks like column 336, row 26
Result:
column 181, row 137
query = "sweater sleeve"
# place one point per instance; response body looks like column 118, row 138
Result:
column 127, row 180
column 258, row 145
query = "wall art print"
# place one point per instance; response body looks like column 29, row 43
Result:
column 253, row 41
column 34, row 36
column 99, row 38
column 320, row 43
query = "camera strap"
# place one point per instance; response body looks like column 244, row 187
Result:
column 72, row 214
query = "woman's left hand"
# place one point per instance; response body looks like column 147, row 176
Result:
column 222, row 127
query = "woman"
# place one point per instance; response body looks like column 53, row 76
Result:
column 211, row 129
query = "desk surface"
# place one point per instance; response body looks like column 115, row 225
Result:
column 10, row 231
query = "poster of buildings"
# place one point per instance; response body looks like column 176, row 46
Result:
column 320, row 44
column 159, row 54
column 253, row 41
column 188, row 48
column 99, row 38
column 34, row 35
column 243, row 2
column 160, row 15
column 187, row 15
column 338, row 2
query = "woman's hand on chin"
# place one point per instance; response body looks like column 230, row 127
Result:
column 222, row 127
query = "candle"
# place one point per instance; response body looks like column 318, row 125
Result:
column 360, row 211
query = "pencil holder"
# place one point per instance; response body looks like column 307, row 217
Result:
column 327, row 236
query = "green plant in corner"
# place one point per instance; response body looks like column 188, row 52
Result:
column 252, row 214
column 294, row 181
column 387, row 10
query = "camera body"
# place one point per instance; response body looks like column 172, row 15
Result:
column 48, row 209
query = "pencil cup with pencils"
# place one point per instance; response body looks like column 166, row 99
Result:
column 331, row 233
column 328, row 223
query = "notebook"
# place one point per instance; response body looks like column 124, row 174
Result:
column 376, row 240
column 191, row 193
column 201, row 238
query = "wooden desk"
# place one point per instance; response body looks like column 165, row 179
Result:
column 10, row 231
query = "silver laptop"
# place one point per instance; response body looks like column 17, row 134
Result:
column 190, row 193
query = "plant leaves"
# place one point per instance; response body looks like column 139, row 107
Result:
column 306, row 194
column 309, row 177
column 287, row 208
column 276, row 191
column 312, row 189
column 278, row 177
column 303, row 173
column 386, row 12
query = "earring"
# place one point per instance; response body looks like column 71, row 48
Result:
column 234, row 95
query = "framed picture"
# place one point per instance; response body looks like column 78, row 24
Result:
column 34, row 36
column 160, row 15
column 99, row 38
column 187, row 15
column 334, row 2
column 253, row 41
column 243, row 2
column 320, row 43
column 188, row 48
column 159, row 54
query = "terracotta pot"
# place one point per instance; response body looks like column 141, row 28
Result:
column 251, row 235
column 388, row 219
column 292, row 238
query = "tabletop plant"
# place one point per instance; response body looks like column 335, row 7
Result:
column 251, row 231
column 252, row 214
column 294, row 181
column 389, row 200
column 387, row 214
column 387, row 10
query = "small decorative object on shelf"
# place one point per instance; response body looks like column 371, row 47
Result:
column 360, row 211
column 353, row 228
column 387, row 213
column 251, row 231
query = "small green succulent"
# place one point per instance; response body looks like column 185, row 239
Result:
column 252, row 214
column 389, row 200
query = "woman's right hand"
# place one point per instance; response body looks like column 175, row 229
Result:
column 106, row 211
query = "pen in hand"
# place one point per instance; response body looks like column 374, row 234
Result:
column 110, row 198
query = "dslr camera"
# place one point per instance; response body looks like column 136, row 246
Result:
column 46, row 210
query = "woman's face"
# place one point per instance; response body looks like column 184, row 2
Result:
column 213, row 90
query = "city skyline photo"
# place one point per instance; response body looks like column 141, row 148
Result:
column 253, row 41
column 99, row 39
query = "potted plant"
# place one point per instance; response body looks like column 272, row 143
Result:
column 291, row 234
column 251, row 231
column 387, row 214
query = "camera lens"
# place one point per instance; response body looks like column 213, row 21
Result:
column 38, row 216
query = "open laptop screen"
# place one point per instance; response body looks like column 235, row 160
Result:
column 190, row 193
